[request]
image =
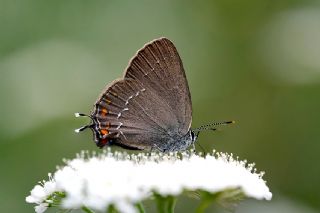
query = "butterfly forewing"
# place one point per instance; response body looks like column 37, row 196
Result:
column 158, row 67
column 150, row 105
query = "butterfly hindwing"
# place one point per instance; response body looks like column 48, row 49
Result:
column 119, row 112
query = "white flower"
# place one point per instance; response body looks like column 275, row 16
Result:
column 42, row 207
column 40, row 193
column 123, row 180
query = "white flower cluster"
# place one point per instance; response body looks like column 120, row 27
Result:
column 123, row 180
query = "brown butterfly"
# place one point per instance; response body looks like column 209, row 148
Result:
column 150, row 107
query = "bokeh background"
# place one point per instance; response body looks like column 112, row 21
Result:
column 253, row 61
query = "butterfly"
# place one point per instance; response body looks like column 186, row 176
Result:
column 150, row 107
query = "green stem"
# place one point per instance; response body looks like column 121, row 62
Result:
column 165, row 204
column 140, row 208
column 112, row 209
column 86, row 209
column 206, row 200
column 160, row 203
column 203, row 206
column 171, row 204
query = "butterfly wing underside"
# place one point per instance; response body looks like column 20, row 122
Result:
column 150, row 105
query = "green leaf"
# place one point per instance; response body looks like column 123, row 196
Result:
column 165, row 204
column 140, row 207
column 227, row 199
column 86, row 209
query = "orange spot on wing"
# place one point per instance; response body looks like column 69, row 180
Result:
column 104, row 112
column 108, row 101
column 104, row 131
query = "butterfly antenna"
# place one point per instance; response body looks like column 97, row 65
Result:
column 210, row 126
column 77, row 114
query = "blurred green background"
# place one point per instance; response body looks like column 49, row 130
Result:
column 253, row 61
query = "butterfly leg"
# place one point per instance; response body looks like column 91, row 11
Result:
column 157, row 148
column 193, row 147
